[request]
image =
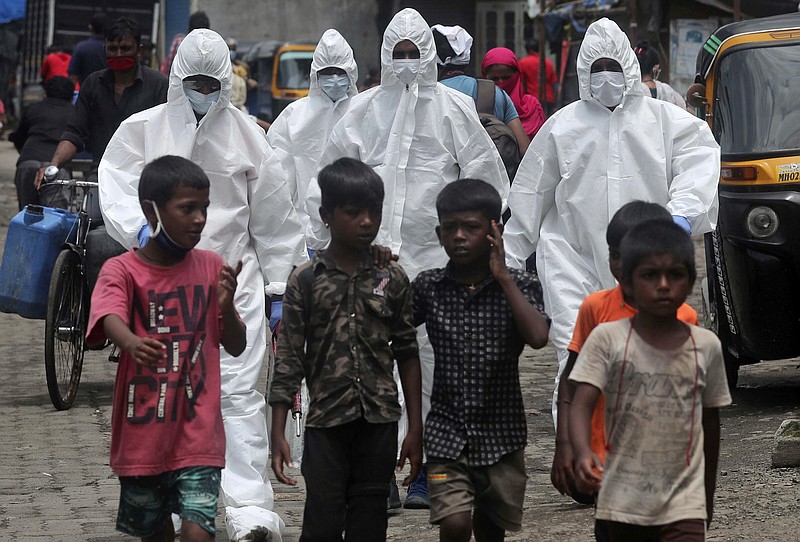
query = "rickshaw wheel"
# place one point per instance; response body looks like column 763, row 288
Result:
column 719, row 323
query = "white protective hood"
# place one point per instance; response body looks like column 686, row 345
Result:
column 585, row 163
column 604, row 39
column 299, row 134
column 333, row 51
column 251, row 218
column 417, row 138
column 408, row 24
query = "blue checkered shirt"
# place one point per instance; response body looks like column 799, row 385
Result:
column 476, row 402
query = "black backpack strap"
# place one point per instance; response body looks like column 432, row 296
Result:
column 485, row 101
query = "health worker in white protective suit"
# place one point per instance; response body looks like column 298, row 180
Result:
column 301, row 131
column 418, row 135
column 299, row 135
column 251, row 218
column 592, row 157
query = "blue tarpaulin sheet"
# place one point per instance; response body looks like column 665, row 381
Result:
column 11, row 10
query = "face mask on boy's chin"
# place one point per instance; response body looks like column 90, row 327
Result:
column 162, row 238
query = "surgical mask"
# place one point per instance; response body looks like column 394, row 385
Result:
column 335, row 86
column 656, row 73
column 406, row 69
column 232, row 54
column 607, row 87
column 164, row 240
column 200, row 102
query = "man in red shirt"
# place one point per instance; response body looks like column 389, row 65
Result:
column 529, row 66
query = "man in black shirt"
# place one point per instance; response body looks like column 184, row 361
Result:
column 108, row 97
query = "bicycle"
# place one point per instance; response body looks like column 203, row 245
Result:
column 68, row 303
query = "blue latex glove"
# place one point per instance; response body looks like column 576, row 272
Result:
column 683, row 223
column 311, row 252
column 143, row 235
column 276, row 314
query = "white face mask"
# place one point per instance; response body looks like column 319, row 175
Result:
column 200, row 102
column 406, row 69
column 607, row 87
column 335, row 86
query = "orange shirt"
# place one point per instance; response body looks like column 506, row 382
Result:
column 597, row 308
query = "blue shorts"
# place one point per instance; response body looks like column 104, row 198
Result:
column 146, row 502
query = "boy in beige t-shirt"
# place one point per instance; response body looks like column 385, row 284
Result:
column 664, row 381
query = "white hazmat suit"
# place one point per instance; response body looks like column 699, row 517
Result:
column 418, row 137
column 251, row 218
column 588, row 161
column 301, row 131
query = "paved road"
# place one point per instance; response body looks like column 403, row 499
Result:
column 55, row 483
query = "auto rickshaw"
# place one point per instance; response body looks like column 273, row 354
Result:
column 748, row 89
column 282, row 70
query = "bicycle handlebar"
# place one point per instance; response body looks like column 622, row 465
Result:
column 50, row 178
column 71, row 182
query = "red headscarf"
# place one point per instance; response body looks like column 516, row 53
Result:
column 528, row 107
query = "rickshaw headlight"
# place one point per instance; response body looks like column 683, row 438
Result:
column 762, row 222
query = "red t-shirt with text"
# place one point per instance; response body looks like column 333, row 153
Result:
column 165, row 417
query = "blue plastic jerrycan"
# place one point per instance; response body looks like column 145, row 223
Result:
column 35, row 238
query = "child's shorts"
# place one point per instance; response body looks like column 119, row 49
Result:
column 497, row 490
column 146, row 502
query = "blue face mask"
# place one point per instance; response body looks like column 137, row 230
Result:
column 163, row 239
column 335, row 86
column 232, row 54
column 200, row 102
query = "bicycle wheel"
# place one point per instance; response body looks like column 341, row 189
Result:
column 65, row 326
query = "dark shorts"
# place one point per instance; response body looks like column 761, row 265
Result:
column 687, row 530
column 146, row 502
column 497, row 490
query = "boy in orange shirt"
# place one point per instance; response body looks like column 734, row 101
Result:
column 597, row 308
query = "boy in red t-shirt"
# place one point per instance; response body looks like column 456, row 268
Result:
column 597, row 308
column 168, row 308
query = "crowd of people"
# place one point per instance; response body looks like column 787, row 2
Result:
column 383, row 230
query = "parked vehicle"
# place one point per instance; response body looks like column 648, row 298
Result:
column 747, row 89
column 282, row 70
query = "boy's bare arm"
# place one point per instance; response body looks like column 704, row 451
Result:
column 143, row 350
column 586, row 462
column 281, row 452
column 411, row 380
column 711, row 434
column 530, row 323
column 234, row 332
column 562, row 473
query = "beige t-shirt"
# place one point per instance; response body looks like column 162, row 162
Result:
column 653, row 421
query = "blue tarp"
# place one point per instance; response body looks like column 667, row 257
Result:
column 11, row 10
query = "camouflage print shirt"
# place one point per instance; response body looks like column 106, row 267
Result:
column 343, row 334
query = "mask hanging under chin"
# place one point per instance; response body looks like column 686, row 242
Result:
column 162, row 238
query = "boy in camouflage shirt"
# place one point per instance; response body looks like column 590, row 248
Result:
column 345, row 321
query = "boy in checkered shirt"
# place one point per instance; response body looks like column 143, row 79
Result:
column 479, row 315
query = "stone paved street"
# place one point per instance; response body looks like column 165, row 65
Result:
column 55, row 483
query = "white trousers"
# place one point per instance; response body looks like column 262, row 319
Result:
column 246, row 490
